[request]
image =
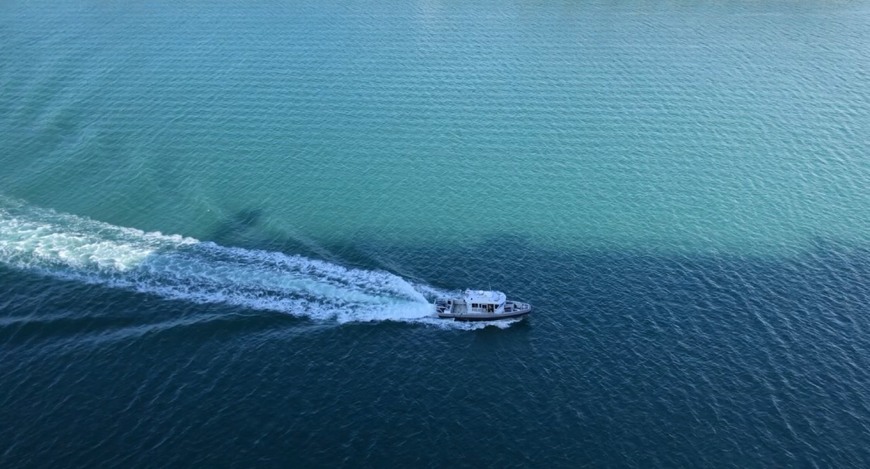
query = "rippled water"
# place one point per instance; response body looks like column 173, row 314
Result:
column 220, row 225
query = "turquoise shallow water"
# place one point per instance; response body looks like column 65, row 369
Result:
column 220, row 224
column 740, row 128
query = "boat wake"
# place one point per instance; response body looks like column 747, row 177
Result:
column 181, row 268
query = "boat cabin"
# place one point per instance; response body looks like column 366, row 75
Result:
column 474, row 302
column 480, row 301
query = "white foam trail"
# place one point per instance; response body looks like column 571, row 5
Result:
column 176, row 267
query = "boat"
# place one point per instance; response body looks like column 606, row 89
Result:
column 480, row 305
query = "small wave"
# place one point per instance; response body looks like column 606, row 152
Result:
column 177, row 267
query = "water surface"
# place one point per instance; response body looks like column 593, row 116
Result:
column 220, row 225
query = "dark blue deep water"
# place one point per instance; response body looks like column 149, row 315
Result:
column 220, row 226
